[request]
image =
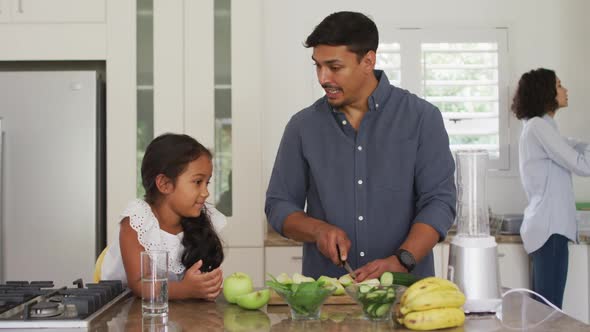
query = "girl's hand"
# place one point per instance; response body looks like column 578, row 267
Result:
column 203, row 285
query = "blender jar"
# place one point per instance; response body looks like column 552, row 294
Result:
column 472, row 212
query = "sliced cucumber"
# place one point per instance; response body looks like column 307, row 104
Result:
column 382, row 310
column 386, row 279
column 365, row 288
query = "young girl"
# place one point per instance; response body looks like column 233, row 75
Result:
column 175, row 172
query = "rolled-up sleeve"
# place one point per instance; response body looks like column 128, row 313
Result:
column 434, row 177
column 289, row 181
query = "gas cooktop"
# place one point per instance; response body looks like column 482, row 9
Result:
column 38, row 304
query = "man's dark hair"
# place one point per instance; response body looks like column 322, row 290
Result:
column 535, row 95
column 355, row 30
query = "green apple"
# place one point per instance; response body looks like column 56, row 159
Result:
column 334, row 282
column 371, row 282
column 299, row 278
column 284, row 278
column 237, row 284
column 346, row 280
column 254, row 300
column 239, row 320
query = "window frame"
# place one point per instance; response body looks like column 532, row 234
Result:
column 411, row 41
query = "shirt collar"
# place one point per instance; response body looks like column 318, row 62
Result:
column 551, row 120
column 381, row 92
column 379, row 95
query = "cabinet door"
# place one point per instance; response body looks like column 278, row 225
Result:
column 576, row 298
column 283, row 260
column 58, row 11
column 4, row 11
column 247, row 260
column 514, row 266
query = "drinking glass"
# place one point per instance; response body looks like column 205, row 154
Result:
column 154, row 282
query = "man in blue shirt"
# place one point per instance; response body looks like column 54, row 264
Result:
column 371, row 160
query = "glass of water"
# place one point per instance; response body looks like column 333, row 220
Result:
column 154, row 282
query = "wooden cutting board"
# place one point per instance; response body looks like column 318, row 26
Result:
column 275, row 299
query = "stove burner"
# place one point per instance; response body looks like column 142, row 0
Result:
column 57, row 298
column 46, row 309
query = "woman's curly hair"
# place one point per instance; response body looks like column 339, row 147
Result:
column 169, row 154
column 535, row 95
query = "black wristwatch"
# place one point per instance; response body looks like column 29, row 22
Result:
column 406, row 259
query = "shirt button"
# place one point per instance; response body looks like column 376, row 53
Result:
column 360, row 182
column 344, row 122
column 362, row 254
column 360, row 148
column 361, row 218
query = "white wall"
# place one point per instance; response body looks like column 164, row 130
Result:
column 548, row 33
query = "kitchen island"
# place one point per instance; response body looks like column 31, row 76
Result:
column 220, row 316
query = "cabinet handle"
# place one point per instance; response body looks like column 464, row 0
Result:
column 20, row 7
column 500, row 255
column 296, row 258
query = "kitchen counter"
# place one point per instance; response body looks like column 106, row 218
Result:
column 218, row 316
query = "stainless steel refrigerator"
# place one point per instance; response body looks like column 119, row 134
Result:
column 52, row 174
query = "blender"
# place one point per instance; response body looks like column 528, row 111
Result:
column 473, row 257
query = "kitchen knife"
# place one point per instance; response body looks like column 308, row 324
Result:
column 345, row 264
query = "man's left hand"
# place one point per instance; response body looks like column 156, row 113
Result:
column 376, row 268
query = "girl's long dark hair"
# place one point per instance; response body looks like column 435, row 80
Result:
column 169, row 154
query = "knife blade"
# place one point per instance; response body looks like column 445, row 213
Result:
column 345, row 264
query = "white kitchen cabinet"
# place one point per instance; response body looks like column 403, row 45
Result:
column 283, row 259
column 53, row 30
column 247, row 260
column 514, row 266
column 577, row 290
column 57, row 11
column 4, row 11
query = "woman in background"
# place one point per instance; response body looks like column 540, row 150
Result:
column 547, row 161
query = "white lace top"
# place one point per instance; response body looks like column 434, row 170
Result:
column 151, row 237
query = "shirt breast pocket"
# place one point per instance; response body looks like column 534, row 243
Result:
column 392, row 166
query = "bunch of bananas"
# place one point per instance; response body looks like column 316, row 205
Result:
column 431, row 303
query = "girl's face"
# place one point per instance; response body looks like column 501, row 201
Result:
column 561, row 97
column 190, row 189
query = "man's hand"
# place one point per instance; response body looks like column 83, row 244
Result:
column 327, row 238
column 376, row 268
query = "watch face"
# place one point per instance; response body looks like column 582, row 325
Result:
column 406, row 259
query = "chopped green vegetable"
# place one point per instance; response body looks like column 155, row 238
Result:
column 386, row 279
column 304, row 298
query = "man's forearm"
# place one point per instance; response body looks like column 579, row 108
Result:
column 301, row 227
column 420, row 241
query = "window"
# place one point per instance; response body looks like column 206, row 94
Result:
column 222, row 177
column 463, row 73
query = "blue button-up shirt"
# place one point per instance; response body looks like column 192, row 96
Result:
column 374, row 183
